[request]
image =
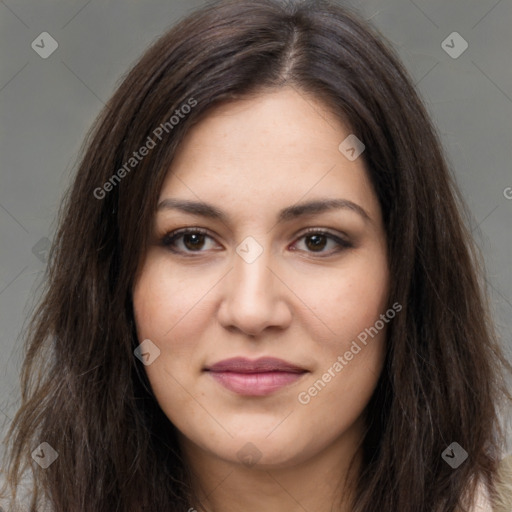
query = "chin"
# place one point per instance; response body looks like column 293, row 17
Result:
column 261, row 451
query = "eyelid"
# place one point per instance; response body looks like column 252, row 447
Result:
column 170, row 235
column 340, row 240
column 324, row 231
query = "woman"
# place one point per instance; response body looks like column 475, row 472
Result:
column 262, row 294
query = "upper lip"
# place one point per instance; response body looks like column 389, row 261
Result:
column 263, row 364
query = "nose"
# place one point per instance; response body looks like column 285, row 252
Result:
column 254, row 297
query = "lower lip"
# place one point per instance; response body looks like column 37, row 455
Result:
column 255, row 384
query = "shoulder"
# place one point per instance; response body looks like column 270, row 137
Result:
column 502, row 502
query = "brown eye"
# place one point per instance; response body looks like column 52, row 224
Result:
column 186, row 240
column 317, row 240
column 193, row 241
column 189, row 241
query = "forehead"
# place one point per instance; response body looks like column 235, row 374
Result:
column 275, row 148
column 279, row 123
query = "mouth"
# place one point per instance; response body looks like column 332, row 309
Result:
column 255, row 377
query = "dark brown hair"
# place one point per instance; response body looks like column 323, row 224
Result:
column 85, row 393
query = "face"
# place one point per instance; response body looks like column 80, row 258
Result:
column 258, row 274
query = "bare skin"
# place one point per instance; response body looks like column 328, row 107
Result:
column 304, row 299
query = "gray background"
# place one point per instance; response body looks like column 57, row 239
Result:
column 48, row 104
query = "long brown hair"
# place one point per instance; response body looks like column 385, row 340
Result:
column 84, row 392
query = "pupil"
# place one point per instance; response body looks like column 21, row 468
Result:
column 318, row 243
column 196, row 242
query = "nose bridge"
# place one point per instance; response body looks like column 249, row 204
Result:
column 250, row 300
column 251, row 274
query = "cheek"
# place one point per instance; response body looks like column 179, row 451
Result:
column 349, row 302
column 345, row 378
column 164, row 313
column 165, row 302
column 346, row 300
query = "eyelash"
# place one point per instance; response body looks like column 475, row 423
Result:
column 169, row 239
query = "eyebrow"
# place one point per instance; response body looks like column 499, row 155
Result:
column 286, row 214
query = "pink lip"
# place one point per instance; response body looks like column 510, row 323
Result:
column 255, row 377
